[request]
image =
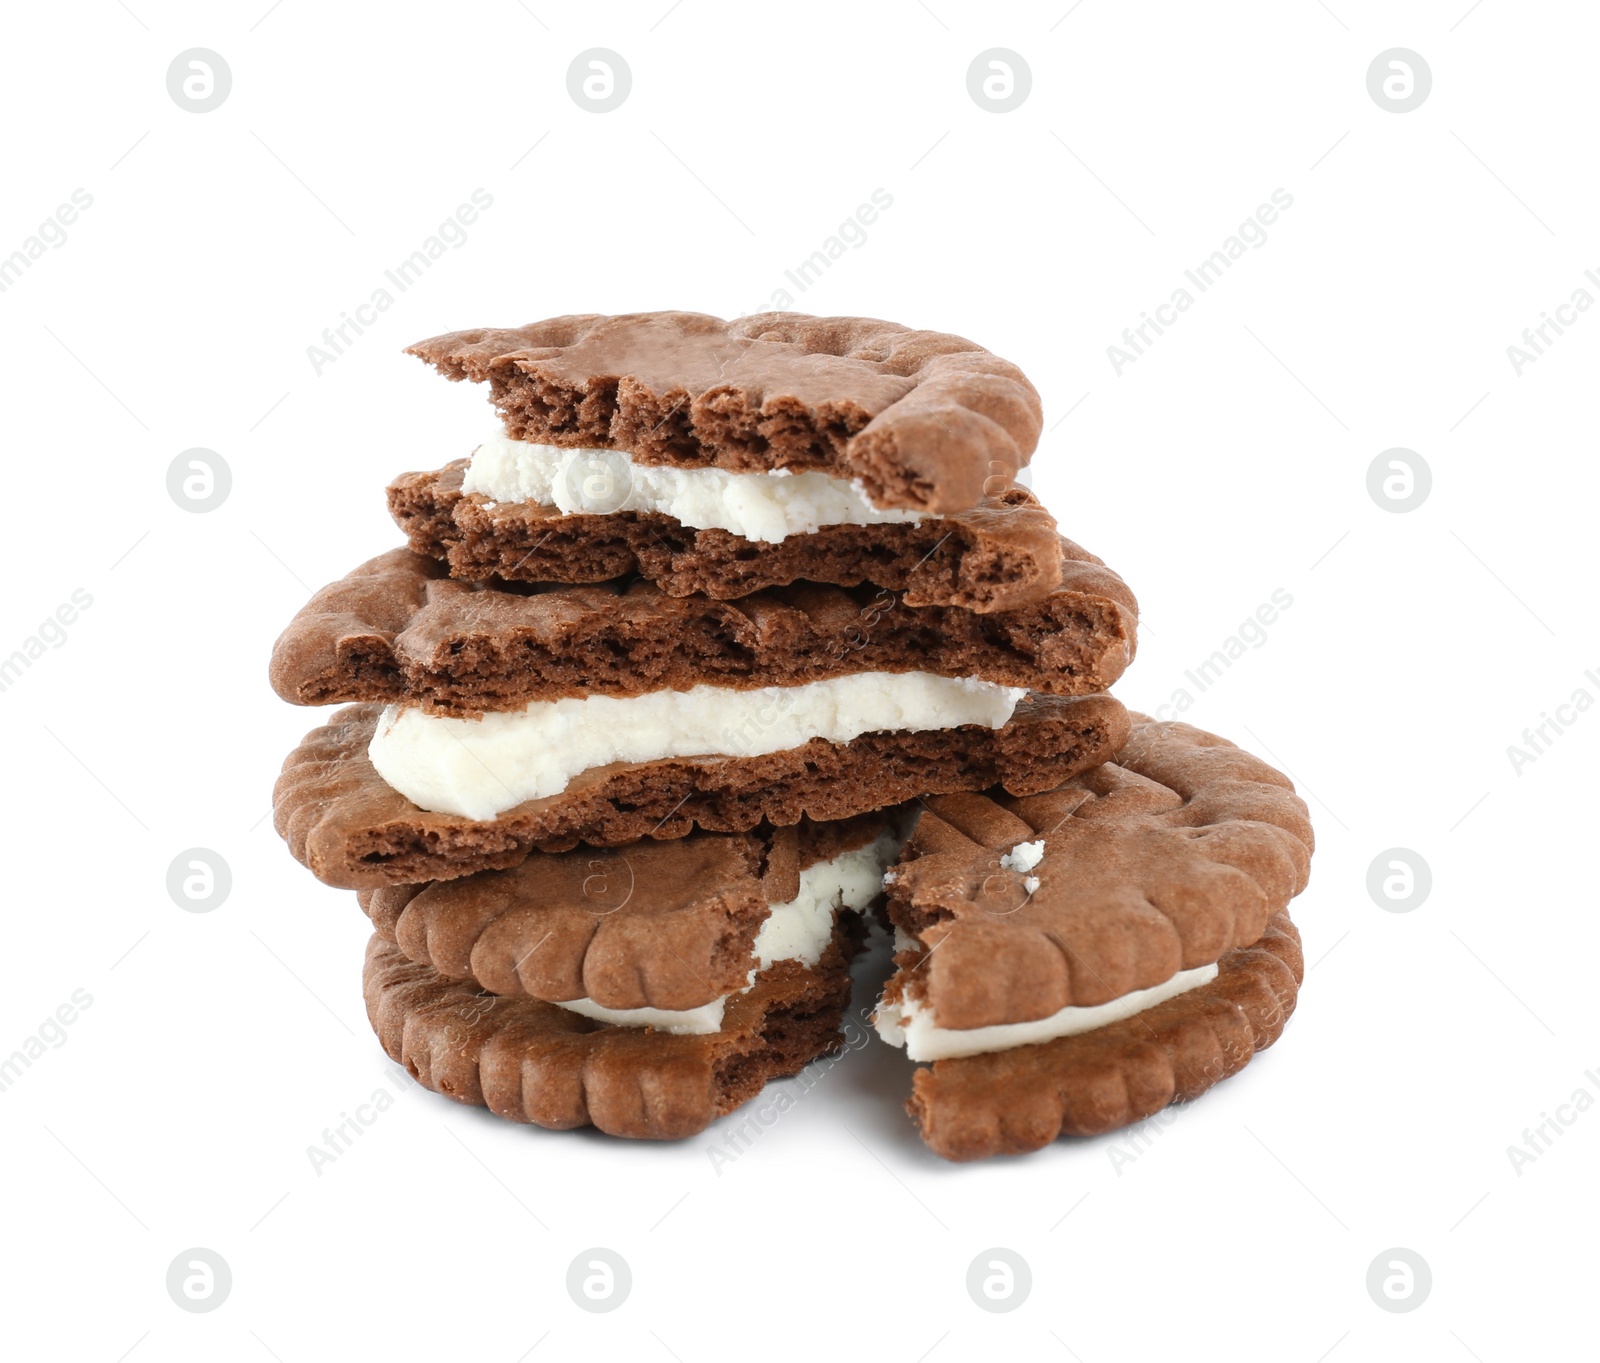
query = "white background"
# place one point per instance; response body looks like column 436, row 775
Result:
column 1228, row 461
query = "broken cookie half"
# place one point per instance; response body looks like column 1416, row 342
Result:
column 1073, row 961
column 724, row 458
column 644, row 992
column 657, row 934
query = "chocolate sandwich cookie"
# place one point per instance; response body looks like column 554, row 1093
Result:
column 665, row 930
column 919, row 419
column 531, row 1061
column 353, row 829
column 1033, row 926
column 398, row 629
column 1001, row 554
column 1015, row 1101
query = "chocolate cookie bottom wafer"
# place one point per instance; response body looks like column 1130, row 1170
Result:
column 535, row 1062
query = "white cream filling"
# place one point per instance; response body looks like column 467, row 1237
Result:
column 680, row 1022
column 1024, row 856
column 478, row 768
column 909, row 1024
column 768, row 506
column 796, row 931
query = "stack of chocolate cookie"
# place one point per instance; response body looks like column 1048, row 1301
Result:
column 726, row 619
column 663, row 682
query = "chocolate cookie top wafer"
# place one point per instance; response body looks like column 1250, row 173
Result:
column 398, row 629
column 920, row 418
column 536, row 1062
column 1012, row 1102
column 1163, row 860
column 1001, row 554
column 659, row 925
column 354, row 830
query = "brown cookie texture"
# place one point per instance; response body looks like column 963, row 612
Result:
column 923, row 419
column 399, row 629
column 1012, row 1102
column 650, row 925
column 531, row 1061
column 355, row 831
column 1002, row 553
column 1176, row 852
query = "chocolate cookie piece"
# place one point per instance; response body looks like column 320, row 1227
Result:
column 920, row 418
column 353, row 830
column 530, row 1061
column 1167, row 858
column 668, row 925
column 398, row 629
column 1002, row 554
column 1011, row 1102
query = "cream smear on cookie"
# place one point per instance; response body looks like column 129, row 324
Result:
column 909, row 1024
column 796, row 931
column 479, row 768
column 766, row 506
